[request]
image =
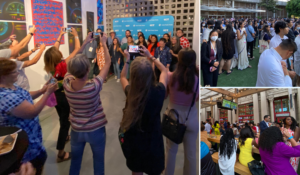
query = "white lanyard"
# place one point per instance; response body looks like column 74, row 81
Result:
column 215, row 52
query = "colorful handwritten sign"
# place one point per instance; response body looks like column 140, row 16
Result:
column 47, row 16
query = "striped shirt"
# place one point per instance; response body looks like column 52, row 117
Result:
column 86, row 111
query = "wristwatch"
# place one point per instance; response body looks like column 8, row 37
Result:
column 31, row 34
column 32, row 51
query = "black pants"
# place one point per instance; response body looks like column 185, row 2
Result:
column 157, row 74
column 254, row 42
column 208, row 165
column 210, row 78
column 63, row 111
column 39, row 161
column 173, row 67
column 250, row 48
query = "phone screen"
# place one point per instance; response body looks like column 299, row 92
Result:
column 133, row 49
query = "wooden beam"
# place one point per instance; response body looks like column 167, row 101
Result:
column 250, row 92
column 223, row 91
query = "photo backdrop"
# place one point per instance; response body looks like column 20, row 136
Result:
column 74, row 14
column 154, row 25
column 47, row 15
column 90, row 22
column 12, row 10
column 72, row 39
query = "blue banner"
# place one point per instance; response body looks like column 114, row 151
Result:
column 152, row 25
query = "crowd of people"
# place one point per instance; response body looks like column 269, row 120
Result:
column 229, row 43
column 278, row 144
column 161, row 68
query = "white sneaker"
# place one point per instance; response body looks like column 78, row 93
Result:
column 118, row 80
column 116, row 77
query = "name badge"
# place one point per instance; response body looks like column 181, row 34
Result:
column 91, row 49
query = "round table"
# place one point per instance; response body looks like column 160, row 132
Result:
column 11, row 162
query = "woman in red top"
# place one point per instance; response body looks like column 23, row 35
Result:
column 57, row 66
column 153, row 45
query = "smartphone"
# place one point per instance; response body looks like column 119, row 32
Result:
column 133, row 49
column 140, row 47
column 67, row 29
column 52, row 80
column 30, row 26
column 101, row 34
column 96, row 34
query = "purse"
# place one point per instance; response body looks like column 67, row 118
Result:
column 256, row 168
column 263, row 45
column 171, row 128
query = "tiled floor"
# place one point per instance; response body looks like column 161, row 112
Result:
column 113, row 100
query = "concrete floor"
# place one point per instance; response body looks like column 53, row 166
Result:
column 113, row 100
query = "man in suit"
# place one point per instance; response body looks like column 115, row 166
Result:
column 265, row 123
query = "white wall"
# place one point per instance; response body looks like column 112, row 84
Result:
column 36, row 73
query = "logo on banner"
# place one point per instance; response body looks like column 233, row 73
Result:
column 166, row 30
column 133, row 25
column 146, row 30
column 117, row 25
column 116, row 21
column 127, row 26
column 166, row 19
column 116, row 30
column 167, row 24
column 151, row 25
column 138, row 30
column 139, row 20
column 159, row 24
column 122, row 20
column 123, row 30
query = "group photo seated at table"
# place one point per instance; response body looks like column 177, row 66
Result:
column 274, row 150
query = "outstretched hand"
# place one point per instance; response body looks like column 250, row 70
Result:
column 145, row 52
column 103, row 38
column 62, row 31
column 89, row 37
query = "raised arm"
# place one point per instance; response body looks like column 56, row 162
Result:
column 62, row 32
column 77, row 45
column 164, row 72
column 86, row 41
column 15, row 50
column 27, row 54
column 36, row 58
column 123, row 78
column 27, row 110
column 103, row 73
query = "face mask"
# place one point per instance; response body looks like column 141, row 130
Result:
column 203, row 25
column 211, row 27
column 298, row 28
column 214, row 38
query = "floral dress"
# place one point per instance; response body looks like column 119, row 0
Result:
column 100, row 58
column 293, row 160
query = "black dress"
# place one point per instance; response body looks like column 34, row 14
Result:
column 229, row 54
column 143, row 146
column 174, row 59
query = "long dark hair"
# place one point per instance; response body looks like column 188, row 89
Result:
column 227, row 38
column 185, row 71
column 227, row 143
column 266, row 31
column 214, row 30
column 144, row 41
column 118, row 43
column 269, row 138
column 216, row 123
column 293, row 125
column 245, row 133
column 168, row 36
column 155, row 44
column 177, row 45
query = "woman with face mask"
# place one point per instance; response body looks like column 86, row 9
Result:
column 211, row 54
column 297, row 29
column 243, row 62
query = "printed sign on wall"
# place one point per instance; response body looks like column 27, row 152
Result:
column 47, row 16
column 154, row 25
column 12, row 10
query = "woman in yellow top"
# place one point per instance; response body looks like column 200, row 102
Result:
column 246, row 141
column 216, row 127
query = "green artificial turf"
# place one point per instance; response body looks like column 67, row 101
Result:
column 240, row 78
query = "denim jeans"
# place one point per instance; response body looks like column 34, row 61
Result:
column 116, row 69
column 97, row 142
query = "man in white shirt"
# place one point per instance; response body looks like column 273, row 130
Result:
column 297, row 56
column 124, row 40
column 207, row 126
column 272, row 71
column 207, row 31
column 281, row 30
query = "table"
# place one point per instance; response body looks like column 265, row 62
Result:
column 11, row 162
column 216, row 139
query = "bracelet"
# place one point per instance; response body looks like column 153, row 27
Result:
column 31, row 34
column 76, row 37
column 57, row 41
column 291, row 137
column 32, row 51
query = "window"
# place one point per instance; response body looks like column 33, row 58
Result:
column 246, row 112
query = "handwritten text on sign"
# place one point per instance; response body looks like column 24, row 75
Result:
column 48, row 19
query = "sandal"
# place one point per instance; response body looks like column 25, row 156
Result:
column 222, row 72
column 62, row 158
column 228, row 73
column 68, row 138
column 249, row 66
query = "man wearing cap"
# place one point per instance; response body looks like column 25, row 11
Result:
column 110, row 39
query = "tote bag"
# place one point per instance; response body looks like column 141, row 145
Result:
column 263, row 45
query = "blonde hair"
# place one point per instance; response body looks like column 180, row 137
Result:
column 51, row 58
column 142, row 78
column 79, row 66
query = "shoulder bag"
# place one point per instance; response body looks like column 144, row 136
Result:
column 263, row 45
column 171, row 128
column 256, row 167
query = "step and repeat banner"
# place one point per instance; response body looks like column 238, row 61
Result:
column 152, row 25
